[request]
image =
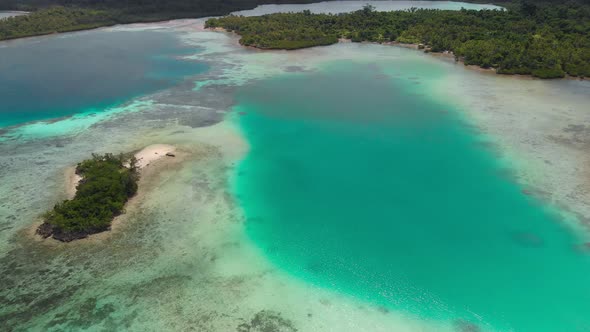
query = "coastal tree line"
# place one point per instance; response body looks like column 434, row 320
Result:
column 51, row 16
column 543, row 40
column 539, row 38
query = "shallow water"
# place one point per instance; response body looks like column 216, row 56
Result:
column 195, row 252
column 6, row 14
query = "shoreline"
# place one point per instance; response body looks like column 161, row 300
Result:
column 445, row 54
column 149, row 175
column 152, row 160
column 141, row 20
column 14, row 12
column 340, row 40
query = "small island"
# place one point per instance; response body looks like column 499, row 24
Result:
column 107, row 183
column 99, row 189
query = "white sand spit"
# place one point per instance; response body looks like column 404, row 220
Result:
column 152, row 153
column 72, row 180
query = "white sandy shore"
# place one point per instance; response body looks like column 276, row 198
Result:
column 152, row 153
column 72, row 180
column 145, row 157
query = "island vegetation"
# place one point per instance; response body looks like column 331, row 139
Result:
column 107, row 183
column 543, row 40
column 54, row 20
column 538, row 38
column 53, row 16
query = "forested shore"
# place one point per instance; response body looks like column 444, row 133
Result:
column 542, row 40
column 55, row 16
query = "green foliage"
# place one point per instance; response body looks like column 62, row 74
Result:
column 105, row 188
column 543, row 40
column 51, row 16
column 52, row 20
column 207, row 7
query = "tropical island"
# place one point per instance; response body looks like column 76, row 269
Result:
column 101, row 187
column 56, row 16
column 545, row 40
column 107, row 182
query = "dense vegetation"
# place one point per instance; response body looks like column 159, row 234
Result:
column 543, row 40
column 51, row 16
column 56, row 19
column 139, row 7
column 101, row 195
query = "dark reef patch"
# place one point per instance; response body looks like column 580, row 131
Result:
column 462, row 325
column 267, row 321
column 528, row 239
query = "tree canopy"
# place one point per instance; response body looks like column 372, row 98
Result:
column 105, row 187
column 546, row 41
column 51, row 16
column 539, row 38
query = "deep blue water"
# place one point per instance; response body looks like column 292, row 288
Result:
column 57, row 76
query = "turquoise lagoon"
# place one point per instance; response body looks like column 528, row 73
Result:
column 364, row 183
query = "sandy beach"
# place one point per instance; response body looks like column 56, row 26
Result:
column 71, row 180
column 152, row 153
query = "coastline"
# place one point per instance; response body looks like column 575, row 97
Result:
column 71, row 181
column 150, row 176
column 140, row 19
column 340, row 40
column 446, row 54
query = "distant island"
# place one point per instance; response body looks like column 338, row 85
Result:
column 107, row 182
column 545, row 40
column 56, row 16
